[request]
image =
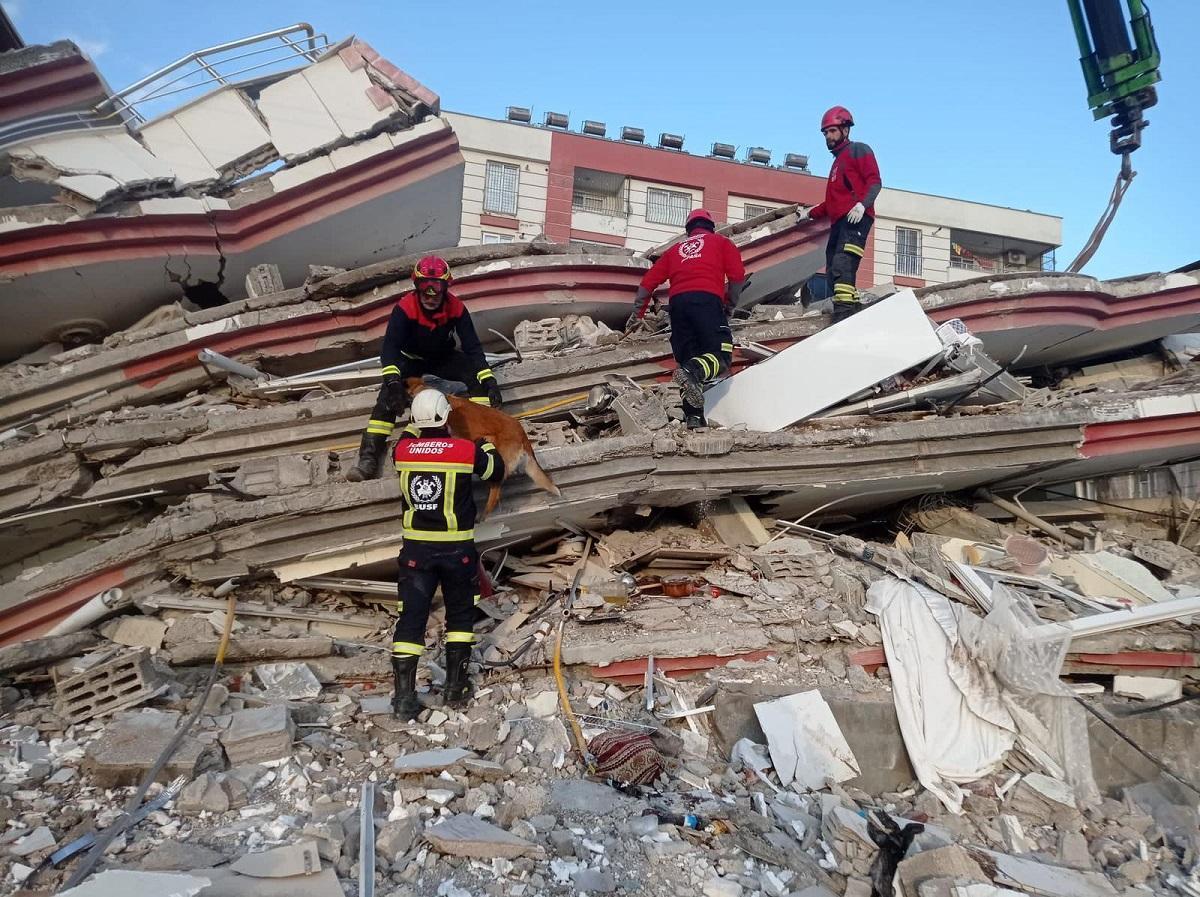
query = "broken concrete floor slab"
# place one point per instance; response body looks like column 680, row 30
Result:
column 123, row 883
column 465, row 835
column 131, row 744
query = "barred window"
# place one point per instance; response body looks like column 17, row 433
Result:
column 500, row 188
column 753, row 211
column 667, row 206
column 908, row 251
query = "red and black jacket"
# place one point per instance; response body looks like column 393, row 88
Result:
column 435, row 484
column 703, row 262
column 412, row 333
column 854, row 178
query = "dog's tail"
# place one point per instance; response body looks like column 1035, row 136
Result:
column 540, row 478
column 493, row 500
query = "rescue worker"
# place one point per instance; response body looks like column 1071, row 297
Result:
column 420, row 340
column 435, row 471
column 706, row 276
column 850, row 194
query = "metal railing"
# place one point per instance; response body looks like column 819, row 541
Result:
column 996, row 266
column 908, row 265
column 615, row 204
column 297, row 43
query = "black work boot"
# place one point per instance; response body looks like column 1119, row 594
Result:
column 370, row 451
column 690, row 388
column 844, row 308
column 405, row 705
column 459, row 689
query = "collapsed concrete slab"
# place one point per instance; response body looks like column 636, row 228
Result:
column 185, row 205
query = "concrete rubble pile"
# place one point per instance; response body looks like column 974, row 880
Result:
column 751, row 658
column 812, row 651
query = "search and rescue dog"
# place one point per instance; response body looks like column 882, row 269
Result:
column 471, row 420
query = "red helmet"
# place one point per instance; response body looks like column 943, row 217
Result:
column 837, row 117
column 432, row 267
column 699, row 215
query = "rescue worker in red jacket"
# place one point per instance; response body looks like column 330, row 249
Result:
column 706, row 276
column 850, row 194
column 436, row 471
column 420, row 339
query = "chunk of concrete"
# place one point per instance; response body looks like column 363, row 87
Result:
column 430, row 761
column 1148, row 688
column 132, row 743
column 301, row 858
column 37, row 840
column 202, row 794
column 140, row 632
column 942, row 862
column 264, row 733
column 227, row 883
column 44, row 652
column 180, row 856
column 122, row 883
column 464, row 835
column 587, row 797
column 287, row 681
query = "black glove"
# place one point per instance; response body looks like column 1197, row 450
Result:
column 394, row 393
column 493, row 392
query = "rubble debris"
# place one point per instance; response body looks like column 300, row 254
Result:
column 430, row 761
column 107, row 681
column 465, row 835
column 805, row 741
column 131, row 743
column 282, row 862
column 1148, row 688
column 264, row 733
column 43, row 652
column 287, row 681
column 121, row 883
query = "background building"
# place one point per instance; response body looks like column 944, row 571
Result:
column 523, row 180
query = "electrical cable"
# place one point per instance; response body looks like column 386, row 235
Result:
column 1137, row 747
column 84, row 869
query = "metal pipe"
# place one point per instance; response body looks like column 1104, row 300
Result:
column 208, row 357
column 366, row 841
column 1030, row 518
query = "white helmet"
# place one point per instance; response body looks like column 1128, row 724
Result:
column 430, row 409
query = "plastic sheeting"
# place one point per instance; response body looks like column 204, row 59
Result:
column 951, row 715
column 968, row 689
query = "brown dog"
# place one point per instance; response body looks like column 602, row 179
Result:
column 471, row 420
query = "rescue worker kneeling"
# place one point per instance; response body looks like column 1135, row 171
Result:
column 436, row 471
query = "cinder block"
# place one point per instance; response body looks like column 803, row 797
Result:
column 128, row 679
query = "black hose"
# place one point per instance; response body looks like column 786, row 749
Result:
column 1137, row 747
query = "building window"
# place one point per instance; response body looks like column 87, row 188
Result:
column 497, row 238
column 600, row 192
column 753, row 211
column 500, row 188
column 667, row 206
column 908, row 252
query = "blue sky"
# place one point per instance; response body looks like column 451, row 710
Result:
column 979, row 101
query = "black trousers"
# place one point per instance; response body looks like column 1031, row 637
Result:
column 843, row 254
column 455, row 366
column 700, row 335
column 423, row 567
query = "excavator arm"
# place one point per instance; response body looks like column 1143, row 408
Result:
column 1120, row 71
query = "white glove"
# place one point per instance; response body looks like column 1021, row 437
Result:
column 802, row 215
column 855, row 214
